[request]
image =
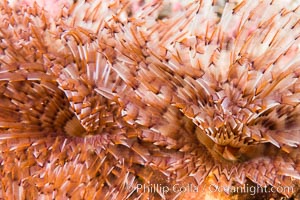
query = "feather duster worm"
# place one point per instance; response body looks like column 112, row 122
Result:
column 102, row 102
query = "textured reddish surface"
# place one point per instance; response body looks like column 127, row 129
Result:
column 98, row 98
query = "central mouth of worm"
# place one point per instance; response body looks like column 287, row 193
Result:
column 229, row 153
column 74, row 128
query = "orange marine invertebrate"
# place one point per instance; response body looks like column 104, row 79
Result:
column 109, row 100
